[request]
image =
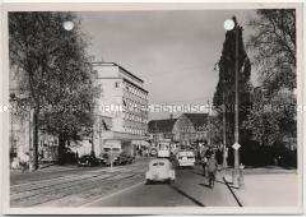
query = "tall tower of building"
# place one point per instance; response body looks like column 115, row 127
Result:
column 121, row 111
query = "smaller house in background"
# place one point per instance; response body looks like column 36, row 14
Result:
column 190, row 128
column 161, row 132
column 187, row 129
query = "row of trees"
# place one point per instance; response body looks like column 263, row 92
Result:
column 267, row 110
column 54, row 75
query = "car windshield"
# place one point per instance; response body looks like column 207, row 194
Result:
column 158, row 164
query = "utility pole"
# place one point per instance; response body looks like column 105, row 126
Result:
column 236, row 145
column 229, row 25
column 236, row 173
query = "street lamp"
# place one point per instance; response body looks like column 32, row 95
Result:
column 231, row 24
column 68, row 25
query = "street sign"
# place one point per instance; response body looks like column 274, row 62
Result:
column 236, row 146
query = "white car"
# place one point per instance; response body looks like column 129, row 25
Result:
column 163, row 153
column 160, row 170
column 186, row 159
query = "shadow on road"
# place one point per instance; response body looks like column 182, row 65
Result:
column 197, row 173
column 186, row 195
column 205, row 185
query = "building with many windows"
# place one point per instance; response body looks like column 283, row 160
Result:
column 121, row 111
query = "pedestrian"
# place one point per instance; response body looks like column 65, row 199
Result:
column 209, row 152
column 219, row 156
column 212, row 166
column 204, row 164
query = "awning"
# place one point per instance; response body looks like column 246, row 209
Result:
column 112, row 144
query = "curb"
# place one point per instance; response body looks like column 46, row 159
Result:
column 233, row 193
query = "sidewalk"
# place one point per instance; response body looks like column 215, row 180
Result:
column 195, row 185
column 267, row 187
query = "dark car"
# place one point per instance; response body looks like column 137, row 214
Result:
column 124, row 159
column 90, row 161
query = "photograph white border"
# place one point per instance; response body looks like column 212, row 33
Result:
column 98, row 6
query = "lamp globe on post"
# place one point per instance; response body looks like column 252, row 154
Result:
column 231, row 24
column 68, row 25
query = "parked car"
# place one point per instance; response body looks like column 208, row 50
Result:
column 160, row 170
column 90, row 161
column 185, row 158
column 123, row 159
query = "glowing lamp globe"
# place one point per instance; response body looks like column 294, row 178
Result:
column 68, row 25
column 229, row 24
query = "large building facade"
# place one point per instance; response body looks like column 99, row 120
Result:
column 121, row 110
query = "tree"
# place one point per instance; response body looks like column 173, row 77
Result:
column 273, row 43
column 224, row 96
column 55, row 71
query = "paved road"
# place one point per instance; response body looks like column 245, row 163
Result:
column 124, row 186
column 190, row 189
column 72, row 187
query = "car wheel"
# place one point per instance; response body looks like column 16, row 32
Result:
column 147, row 182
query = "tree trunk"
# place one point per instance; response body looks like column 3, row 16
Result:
column 35, row 141
column 61, row 149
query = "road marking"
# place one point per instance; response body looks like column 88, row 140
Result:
column 99, row 199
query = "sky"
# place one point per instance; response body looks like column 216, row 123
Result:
column 174, row 52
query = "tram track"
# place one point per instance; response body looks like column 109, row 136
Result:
column 65, row 189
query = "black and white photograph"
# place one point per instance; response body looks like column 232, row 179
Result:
column 153, row 108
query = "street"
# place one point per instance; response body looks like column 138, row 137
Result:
column 190, row 189
column 124, row 186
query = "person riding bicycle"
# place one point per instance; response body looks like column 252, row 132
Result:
column 204, row 161
column 212, row 167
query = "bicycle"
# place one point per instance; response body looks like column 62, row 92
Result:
column 211, row 179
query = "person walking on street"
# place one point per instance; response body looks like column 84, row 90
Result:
column 212, row 167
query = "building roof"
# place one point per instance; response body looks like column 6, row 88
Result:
column 197, row 119
column 137, row 86
column 161, row 126
column 120, row 67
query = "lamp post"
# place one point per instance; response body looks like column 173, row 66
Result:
column 231, row 24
